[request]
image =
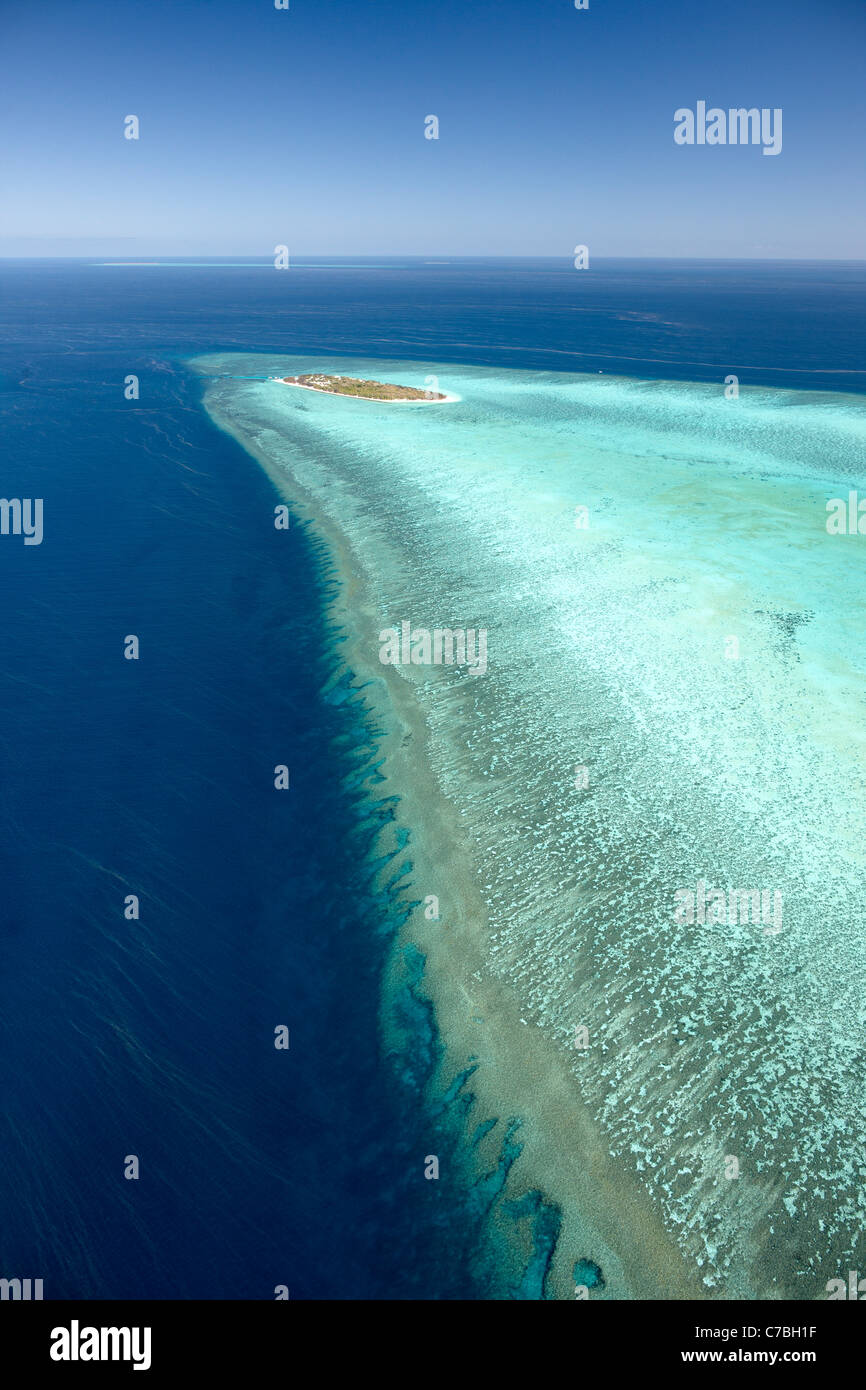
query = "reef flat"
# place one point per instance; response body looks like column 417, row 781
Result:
column 672, row 705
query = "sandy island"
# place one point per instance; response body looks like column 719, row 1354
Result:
column 360, row 390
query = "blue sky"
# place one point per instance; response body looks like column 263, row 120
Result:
column 306, row 127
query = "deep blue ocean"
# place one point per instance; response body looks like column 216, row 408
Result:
column 154, row 777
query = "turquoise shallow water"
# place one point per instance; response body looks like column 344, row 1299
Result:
column 698, row 649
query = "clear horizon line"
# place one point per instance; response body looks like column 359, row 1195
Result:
column 441, row 257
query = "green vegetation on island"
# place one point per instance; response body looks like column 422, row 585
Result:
column 370, row 390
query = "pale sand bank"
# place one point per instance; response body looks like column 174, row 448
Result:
column 446, row 396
